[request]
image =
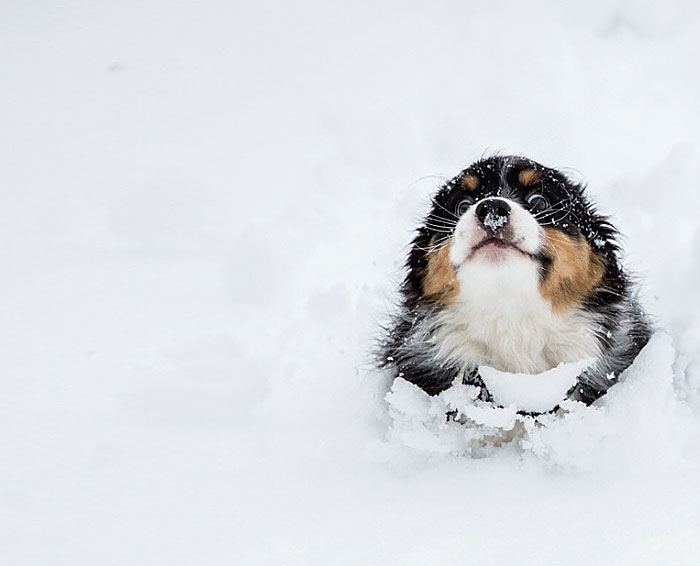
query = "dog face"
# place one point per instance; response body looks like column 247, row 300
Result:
column 510, row 225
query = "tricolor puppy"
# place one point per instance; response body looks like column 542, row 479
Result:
column 515, row 269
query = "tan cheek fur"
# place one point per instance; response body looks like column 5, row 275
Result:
column 440, row 280
column 574, row 272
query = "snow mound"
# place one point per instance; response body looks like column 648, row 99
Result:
column 641, row 419
column 535, row 393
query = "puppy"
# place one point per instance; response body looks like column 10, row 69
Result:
column 513, row 268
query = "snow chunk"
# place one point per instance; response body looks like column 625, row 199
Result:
column 494, row 221
column 640, row 422
column 535, row 393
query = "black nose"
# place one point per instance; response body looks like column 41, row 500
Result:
column 493, row 213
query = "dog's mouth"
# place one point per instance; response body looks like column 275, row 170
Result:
column 499, row 243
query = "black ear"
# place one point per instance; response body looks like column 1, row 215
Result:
column 603, row 239
column 600, row 233
column 415, row 266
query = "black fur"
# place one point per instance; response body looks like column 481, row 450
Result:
column 624, row 328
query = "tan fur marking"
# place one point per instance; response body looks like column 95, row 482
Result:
column 528, row 177
column 470, row 182
column 440, row 280
column 574, row 272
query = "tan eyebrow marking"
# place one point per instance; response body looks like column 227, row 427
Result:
column 469, row 182
column 528, row 177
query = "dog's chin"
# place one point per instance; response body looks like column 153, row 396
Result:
column 496, row 251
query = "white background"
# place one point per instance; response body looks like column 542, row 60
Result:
column 203, row 212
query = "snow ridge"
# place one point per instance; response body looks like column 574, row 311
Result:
column 456, row 423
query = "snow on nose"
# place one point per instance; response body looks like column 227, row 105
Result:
column 494, row 221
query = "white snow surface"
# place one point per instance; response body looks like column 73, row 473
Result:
column 205, row 207
column 535, row 393
column 577, row 438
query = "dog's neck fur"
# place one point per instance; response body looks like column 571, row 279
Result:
column 501, row 320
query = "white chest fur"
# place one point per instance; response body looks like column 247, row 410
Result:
column 502, row 320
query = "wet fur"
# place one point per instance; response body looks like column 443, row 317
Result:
column 585, row 303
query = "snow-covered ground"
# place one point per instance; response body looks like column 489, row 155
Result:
column 204, row 209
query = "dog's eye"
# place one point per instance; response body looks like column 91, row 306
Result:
column 464, row 205
column 537, row 202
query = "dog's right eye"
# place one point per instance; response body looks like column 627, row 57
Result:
column 537, row 202
column 463, row 206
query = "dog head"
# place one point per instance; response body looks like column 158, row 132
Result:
column 509, row 223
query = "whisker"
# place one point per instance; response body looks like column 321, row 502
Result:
column 438, row 219
column 436, row 203
column 439, row 227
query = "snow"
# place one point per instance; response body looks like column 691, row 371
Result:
column 494, row 221
column 205, row 207
column 533, row 392
column 615, row 432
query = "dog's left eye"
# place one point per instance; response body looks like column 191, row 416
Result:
column 463, row 206
column 537, row 202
